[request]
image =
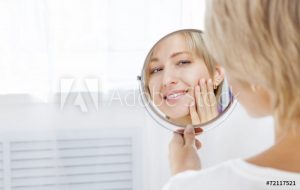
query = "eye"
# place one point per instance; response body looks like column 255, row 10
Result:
column 155, row 70
column 184, row 62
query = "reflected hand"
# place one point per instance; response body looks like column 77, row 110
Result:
column 204, row 108
column 183, row 151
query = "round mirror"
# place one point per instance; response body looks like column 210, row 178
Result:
column 181, row 84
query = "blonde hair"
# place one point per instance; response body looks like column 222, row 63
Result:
column 196, row 44
column 258, row 42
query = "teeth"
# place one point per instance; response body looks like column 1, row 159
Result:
column 172, row 96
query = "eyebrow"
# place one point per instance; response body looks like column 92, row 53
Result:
column 155, row 59
column 179, row 53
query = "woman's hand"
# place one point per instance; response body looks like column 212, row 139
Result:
column 204, row 108
column 183, row 151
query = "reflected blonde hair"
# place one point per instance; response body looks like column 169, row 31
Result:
column 258, row 42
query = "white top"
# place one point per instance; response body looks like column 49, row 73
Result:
column 235, row 175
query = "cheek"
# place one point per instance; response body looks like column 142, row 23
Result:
column 154, row 86
column 234, row 86
column 245, row 97
column 235, row 90
column 193, row 75
column 255, row 103
column 252, row 104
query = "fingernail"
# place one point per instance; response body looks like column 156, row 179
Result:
column 190, row 129
column 209, row 81
column 179, row 131
column 198, row 130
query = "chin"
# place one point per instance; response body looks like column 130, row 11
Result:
column 177, row 114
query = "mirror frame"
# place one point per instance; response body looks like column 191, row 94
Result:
column 156, row 113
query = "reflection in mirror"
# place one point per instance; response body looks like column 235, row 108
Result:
column 181, row 83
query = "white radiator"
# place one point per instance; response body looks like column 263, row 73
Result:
column 77, row 160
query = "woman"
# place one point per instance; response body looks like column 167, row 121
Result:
column 180, row 69
column 258, row 43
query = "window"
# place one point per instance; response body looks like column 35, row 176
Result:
column 46, row 41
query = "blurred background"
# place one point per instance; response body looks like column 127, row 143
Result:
column 70, row 112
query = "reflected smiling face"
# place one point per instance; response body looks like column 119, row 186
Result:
column 174, row 70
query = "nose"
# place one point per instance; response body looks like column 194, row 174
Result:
column 169, row 77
